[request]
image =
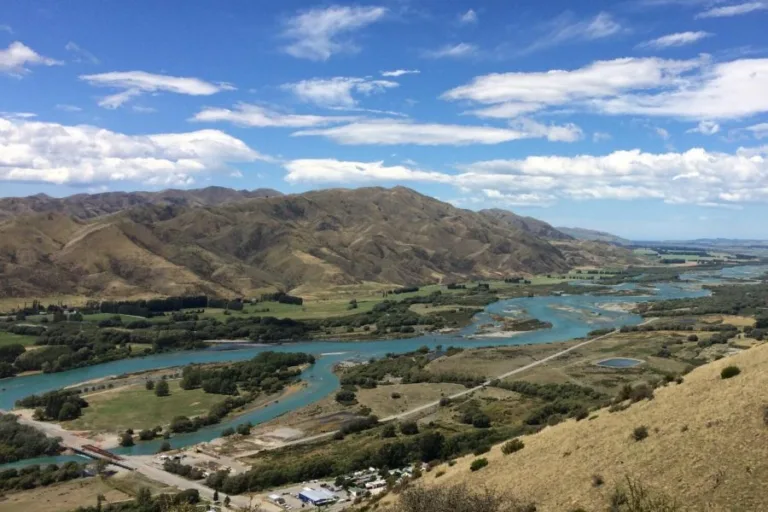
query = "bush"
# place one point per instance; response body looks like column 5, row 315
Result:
column 640, row 433
column 338, row 435
column 346, row 397
column 597, row 480
column 164, row 447
column 693, row 337
column 485, row 448
column 396, row 395
column 481, row 421
column 636, row 498
column 729, row 371
column 244, row 429
column 641, row 392
column 409, row 428
column 162, row 389
column 126, row 439
column 229, row 431
column 512, row 446
column 150, row 385
column 478, row 464
column 389, row 430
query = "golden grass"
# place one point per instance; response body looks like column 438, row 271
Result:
column 707, row 447
column 382, row 404
column 64, row 496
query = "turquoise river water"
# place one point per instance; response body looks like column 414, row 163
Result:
column 571, row 317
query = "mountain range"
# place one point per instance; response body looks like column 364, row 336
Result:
column 238, row 243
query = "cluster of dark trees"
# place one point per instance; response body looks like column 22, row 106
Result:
column 282, row 298
column 57, row 405
column 725, row 299
column 562, row 400
column 267, row 372
column 404, row 289
column 185, row 470
column 428, row 445
column 149, row 307
column 216, row 413
column 145, row 502
column 18, row 442
column 31, row 477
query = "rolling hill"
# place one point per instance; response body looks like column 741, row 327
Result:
column 224, row 242
column 594, row 235
column 706, row 448
column 528, row 224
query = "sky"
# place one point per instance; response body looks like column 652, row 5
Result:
column 645, row 118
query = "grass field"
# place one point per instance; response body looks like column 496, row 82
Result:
column 64, row 496
column 8, row 338
column 135, row 407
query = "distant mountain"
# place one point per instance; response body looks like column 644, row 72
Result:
column 528, row 224
column 594, row 235
column 331, row 237
column 88, row 206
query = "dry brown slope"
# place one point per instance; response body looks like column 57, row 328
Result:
column 707, row 446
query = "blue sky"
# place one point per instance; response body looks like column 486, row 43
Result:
column 647, row 118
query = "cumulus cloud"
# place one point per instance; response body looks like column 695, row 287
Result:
column 706, row 128
column 317, row 34
column 565, row 29
column 16, row 59
column 55, row 153
column 400, row 72
column 728, row 11
column 696, row 176
column 694, row 88
column 81, row 54
column 136, row 83
column 468, row 18
column 759, row 130
column 336, row 171
column 245, row 114
column 677, row 39
column 392, row 132
column 338, row 91
column 456, row 51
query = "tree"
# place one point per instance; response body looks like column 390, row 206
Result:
column 162, row 389
column 215, row 495
column 226, row 501
column 165, row 447
column 126, row 439
column 388, row 430
column 144, row 498
column 150, row 385
column 346, row 397
column 69, row 411
column 409, row 428
column 244, row 429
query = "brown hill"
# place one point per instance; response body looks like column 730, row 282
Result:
column 528, row 224
column 706, row 447
column 325, row 237
column 88, row 206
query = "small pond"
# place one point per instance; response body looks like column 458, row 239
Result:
column 619, row 362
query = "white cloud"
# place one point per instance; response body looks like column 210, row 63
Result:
column 600, row 136
column 336, row 171
column 15, row 59
column 696, row 176
column 6, row 28
column 55, row 153
column 692, row 89
column 143, row 110
column 18, row 115
column 455, row 51
column 81, row 54
column 68, row 108
column 400, row 72
column 728, row 11
column 564, row 29
column 317, row 34
column 759, row 130
column 677, row 39
column 468, row 18
column 661, row 132
column 135, row 83
column 246, row 114
column 337, row 92
column 705, row 128
column 393, row 132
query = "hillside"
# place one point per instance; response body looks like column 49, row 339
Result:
column 528, row 224
column 393, row 236
column 707, row 447
column 594, row 235
column 88, row 206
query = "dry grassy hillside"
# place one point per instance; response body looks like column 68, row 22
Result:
column 330, row 237
column 707, row 447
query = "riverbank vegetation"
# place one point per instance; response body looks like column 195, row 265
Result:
column 18, row 442
column 32, row 477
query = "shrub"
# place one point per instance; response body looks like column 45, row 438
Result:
column 597, row 480
column 338, row 435
column 458, row 498
column 478, row 464
column 512, row 446
column 729, row 371
column 580, row 413
column 389, row 430
column 244, row 429
column 409, row 428
column 229, row 431
column 640, row 433
column 126, row 439
column 162, row 389
column 641, row 392
column 485, row 448
column 439, row 474
column 693, row 337
column 346, row 397
column 636, row 498
column 165, row 447
column 150, row 385
column 445, row 402
column 395, row 395
column 481, row 421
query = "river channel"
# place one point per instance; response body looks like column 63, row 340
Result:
column 571, row 316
